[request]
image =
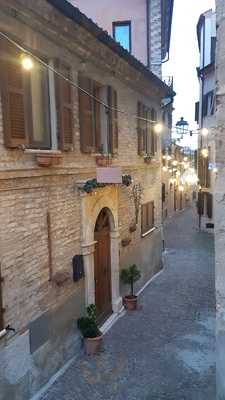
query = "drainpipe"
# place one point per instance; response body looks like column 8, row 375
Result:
column 148, row 32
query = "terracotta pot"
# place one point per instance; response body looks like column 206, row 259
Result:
column 103, row 161
column 93, row 345
column 130, row 302
column 133, row 228
column 47, row 160
column 125, row 242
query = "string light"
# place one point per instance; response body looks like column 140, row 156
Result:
column 185, row 159
column 181, row 188
column 28, row 66
column 205, row 131
column 165, row 169
column 27, row 62
column 175, row 162
column 205, row 153
column 158, row 128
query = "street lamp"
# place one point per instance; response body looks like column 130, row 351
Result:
column 182, row 127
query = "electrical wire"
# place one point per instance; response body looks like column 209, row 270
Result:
column 68, row 80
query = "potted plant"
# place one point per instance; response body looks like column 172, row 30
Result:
column 129, row 276
column 90, row 331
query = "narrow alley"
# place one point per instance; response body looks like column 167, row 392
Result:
column 166, row 349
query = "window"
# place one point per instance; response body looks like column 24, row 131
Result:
column 208, row 104
column 36, row 104
column 98, row 124
column 147, row 217
column 122, row 34
column 147, row 138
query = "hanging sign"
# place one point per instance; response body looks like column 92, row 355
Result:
column 109, row 175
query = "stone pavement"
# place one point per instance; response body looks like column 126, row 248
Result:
column 165, row 350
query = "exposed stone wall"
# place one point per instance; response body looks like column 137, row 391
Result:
column 29, row 192
column 220, row 199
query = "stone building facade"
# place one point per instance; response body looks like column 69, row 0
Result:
column 51, row 208
column 205, row 116
column 219, row 194
column 149, row 24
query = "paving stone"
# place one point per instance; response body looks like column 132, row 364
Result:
column 166, row 349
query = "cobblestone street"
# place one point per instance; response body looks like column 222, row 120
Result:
column 165, row 350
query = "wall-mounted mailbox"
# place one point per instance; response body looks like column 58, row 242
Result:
column 78, row 267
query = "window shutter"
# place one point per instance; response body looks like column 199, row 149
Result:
column 64, row 104
column 153, row 135
column 209, row 205
column 140, row 131
column 86, row 115
column 113, row 120
column 200, row 203
column 12, row 88
column 200, row 169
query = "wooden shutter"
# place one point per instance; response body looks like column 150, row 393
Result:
column 151, row 214
column 200, row 203
column 13, row 96
column 140, row 129
column 113, row 121
column 97, row 117
column 153, row 134
column 209, row 205
column 86, row 114
column 200, row 169
column 64, row 104
column 163, row 192
column 144, row 217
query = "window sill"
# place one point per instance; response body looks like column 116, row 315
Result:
column 39, row 151
column 148, row 232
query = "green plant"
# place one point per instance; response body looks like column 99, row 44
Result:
column 129, row 276
column 88, row 325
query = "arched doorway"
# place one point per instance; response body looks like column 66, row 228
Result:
column 102, row 266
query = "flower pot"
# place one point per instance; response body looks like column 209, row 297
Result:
column 48, row 159
column 130, row 302
column 103, row 161
column 125, row 242
column 93, row 345
column 133, row 228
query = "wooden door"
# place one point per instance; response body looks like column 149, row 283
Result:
column 103, row 300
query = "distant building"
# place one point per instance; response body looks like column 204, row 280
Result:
column 142, row 27
column 205, row 116
column 219, row 203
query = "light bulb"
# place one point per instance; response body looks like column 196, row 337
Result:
column 185, row 159
column 205, row 131
column 165, row 169
column 215, row 170
column 181, row 188
column 27, row 63
column 205, row 153
column 158, row 128
column 175, row 162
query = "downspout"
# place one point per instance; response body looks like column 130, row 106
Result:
column 148, row 32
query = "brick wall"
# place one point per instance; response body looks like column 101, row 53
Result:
column 29, row 192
